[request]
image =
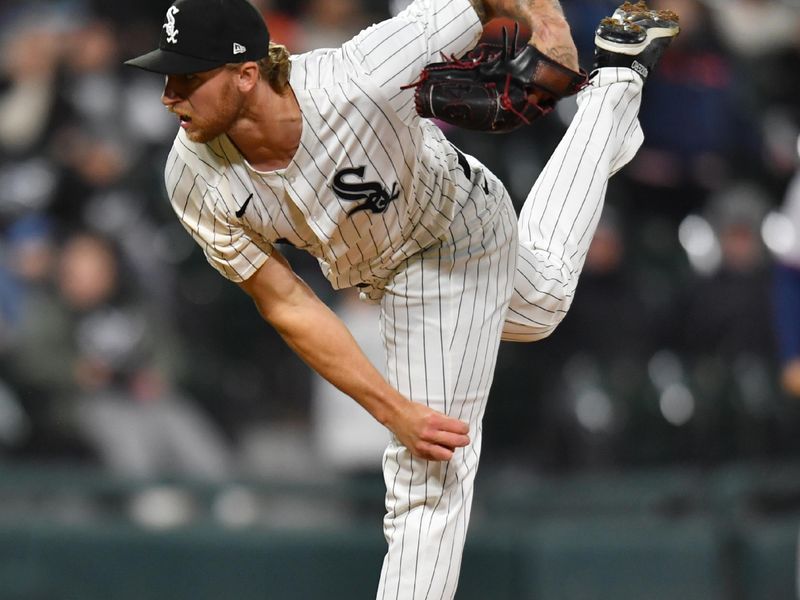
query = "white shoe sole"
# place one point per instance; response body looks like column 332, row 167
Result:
column 634, row 49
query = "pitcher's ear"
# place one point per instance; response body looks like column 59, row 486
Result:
column 247, row 76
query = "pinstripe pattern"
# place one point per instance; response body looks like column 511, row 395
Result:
column 441, row 320
column 561, row 212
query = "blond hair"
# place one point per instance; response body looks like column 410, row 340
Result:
column 276, row 67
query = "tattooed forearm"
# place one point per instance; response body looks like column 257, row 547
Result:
column 550, row 33
column 562, row 55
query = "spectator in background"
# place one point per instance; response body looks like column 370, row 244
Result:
column 104, row 366
column 726, row 310
column 721, row 329
column 100, row 189
column 129, row 410
column 100, row 97
column 29, row 66
column 31, row 105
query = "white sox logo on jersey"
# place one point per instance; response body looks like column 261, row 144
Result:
column 374, row 195
column 172, row 33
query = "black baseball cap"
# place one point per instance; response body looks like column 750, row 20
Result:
column 200, row 35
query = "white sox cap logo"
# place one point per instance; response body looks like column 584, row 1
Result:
column 172, row 33
column 238, row 48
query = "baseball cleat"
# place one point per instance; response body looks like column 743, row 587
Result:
column 634, row 37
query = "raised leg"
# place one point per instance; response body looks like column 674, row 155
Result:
column 561, row 212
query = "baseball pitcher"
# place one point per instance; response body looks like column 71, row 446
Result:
column 329, row 152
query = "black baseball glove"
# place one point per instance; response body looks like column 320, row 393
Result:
column 494, row 88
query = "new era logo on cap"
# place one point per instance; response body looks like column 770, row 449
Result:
column 200, row 35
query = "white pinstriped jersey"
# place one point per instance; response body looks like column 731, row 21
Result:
column 370, row 184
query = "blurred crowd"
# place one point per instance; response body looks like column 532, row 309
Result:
column 120, row 347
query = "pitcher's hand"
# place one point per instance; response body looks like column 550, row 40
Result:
column 427, row 433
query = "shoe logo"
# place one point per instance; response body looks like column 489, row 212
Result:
column 172, row 33
column 238, row 48
column 639, row 68
column 243, row 207
column 376, row 198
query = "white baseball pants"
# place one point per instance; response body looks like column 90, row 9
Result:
column 560, row 215
column 445, row 310
column 441, row 318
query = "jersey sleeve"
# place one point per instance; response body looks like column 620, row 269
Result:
column 228, row 244
column 395, row 51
